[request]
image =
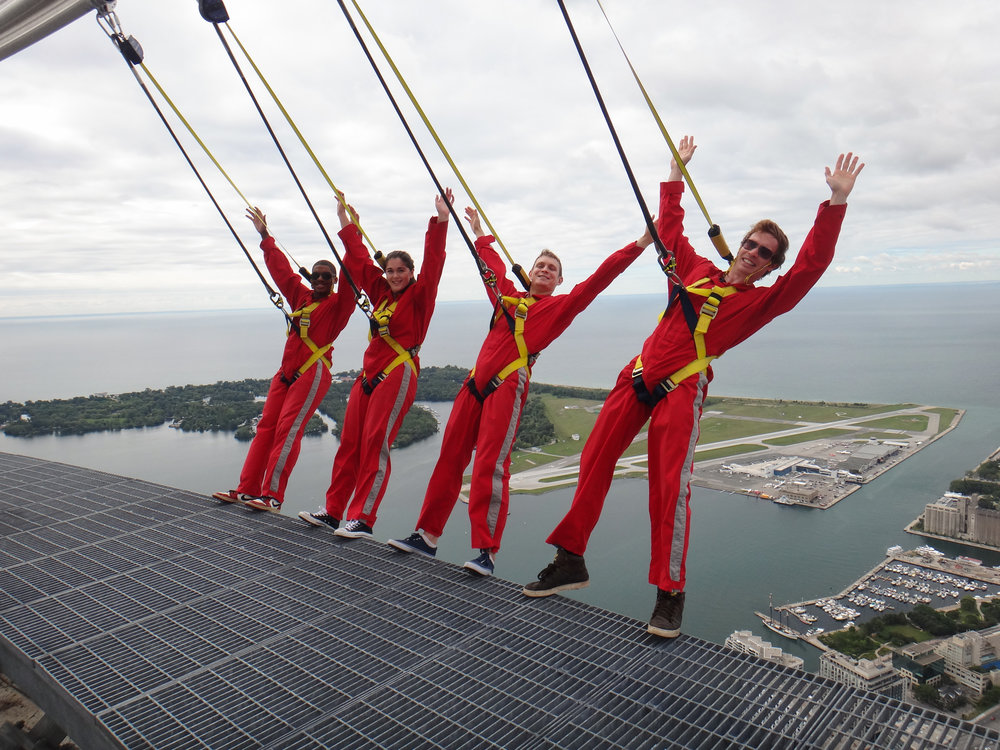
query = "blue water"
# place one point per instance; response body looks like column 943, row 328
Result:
column 928, row 344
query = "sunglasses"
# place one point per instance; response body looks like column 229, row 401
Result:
column 317, row 275
column 764, row 253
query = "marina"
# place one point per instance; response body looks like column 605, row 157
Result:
column 899, row 583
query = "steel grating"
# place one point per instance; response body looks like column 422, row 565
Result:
column 145, row 616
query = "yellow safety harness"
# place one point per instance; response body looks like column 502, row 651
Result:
column 300, row 321
column 709, row 309
column 525, row 358
column 380, row 327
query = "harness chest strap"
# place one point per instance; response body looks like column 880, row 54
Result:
column 380, row 326
column 318, row 352
column 709, row 309
column 524, row 358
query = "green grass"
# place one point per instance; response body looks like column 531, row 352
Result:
column 570, row 415
column 796, row 410
column 805, row 437
column 911, row 422
column 715, row 429
column 732, row 450
column 947, row 417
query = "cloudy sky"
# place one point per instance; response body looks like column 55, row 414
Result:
column 101, row 213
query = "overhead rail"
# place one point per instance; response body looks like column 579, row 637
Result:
column 24, row 22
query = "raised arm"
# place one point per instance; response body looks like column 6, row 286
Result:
column 685, row 149
column 841, row 178
column 442, row 204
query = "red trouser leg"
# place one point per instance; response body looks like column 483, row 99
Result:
column 300, row 404
column 387, row 407
column 343, row 477
column 489, row 493
column 255, row 465
column 456, row 450
column 621, row 418
column 673, row 435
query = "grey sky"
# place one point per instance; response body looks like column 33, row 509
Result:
column 101, row 214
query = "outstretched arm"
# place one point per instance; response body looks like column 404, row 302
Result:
column 343, row 207
column 841, row 178
column 442, row 204
column 685, row 149
column 472, row 216
column 259, row 221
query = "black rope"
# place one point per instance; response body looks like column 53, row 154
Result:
column 132, row 54
column 666, row 258
column 360, row 297
column 489, row 278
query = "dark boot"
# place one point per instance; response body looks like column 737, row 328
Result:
column 666, row 619
column 566, row 572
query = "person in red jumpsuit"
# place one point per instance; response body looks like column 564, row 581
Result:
column 383, row 393
column 487, row 411
column 674, row 408
column 319, row 316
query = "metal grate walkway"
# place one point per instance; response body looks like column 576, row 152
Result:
column 141, row 616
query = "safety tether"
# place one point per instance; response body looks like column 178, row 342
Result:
column 214, row 12
column 132, row 53
column 666, row 258
column 714, row 232
column 516, row 268
column 487, row 274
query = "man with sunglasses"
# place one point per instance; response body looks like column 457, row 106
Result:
column 667, row 383
column 296, row 390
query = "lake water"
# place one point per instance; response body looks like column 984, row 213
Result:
column 926, row 344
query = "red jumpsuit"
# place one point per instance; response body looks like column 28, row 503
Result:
column 372, row 420
column 292, row 398
column 674, row 421
column 490, row 426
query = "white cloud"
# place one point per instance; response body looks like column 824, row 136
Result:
column 99, row 207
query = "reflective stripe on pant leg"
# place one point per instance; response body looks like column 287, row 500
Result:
column 397, row 413
column 684, row 489
column 303, row 414
column 496, row 494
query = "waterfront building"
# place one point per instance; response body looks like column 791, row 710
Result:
column 868, row 456
column 877, row 675
column 972, row 659
column 960, row 517
column 747, row 643
column 920, row 664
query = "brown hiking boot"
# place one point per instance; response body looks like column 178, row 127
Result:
column 666, row 619
column 566, row 572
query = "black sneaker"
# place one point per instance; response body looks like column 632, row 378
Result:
column 355, row 529
column 482, row 565
column 413, row 543
column 566, row 572
column 666, row 619
column 319, row 518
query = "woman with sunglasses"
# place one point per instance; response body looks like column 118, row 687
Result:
column 668, row 382
column 319, row 315
column 384, row 391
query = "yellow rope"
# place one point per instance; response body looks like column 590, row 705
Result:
column 301, row 138
column 430, row 128
column 716, row 239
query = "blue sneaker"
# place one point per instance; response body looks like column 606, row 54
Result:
column 482, row 565
column 413, row 543
column 355, row 529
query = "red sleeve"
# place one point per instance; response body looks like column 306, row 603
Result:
column 433, row 263
column 584, row 293
column 288, row 281
column 365, row 272
column 484, row 246
column 670, row 227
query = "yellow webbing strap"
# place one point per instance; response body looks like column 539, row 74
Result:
column 381, row 317
column 714, row 233
column 295, row 129
column 430, row 129
column 709, row 309
column 520, row 316
column 318, row 352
